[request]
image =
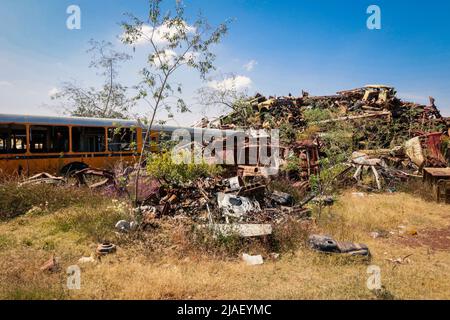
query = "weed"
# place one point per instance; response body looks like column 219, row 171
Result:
column 17, row 200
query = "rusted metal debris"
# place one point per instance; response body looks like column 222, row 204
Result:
column 372, row 101
column 219, row 201
column 327, row 244
column 360, row 106
column 44, row 177
column 52, row 265
column 438, row 179
column 106, row 175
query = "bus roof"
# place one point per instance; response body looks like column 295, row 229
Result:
column 78, row 121
column 99, row 122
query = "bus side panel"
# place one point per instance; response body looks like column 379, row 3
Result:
column 53, row 165
column 38, row 165
column 11, row 166
column 103, row 161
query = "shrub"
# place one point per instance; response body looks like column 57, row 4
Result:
column 174, row 171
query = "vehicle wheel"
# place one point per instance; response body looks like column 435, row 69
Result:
column 71, row 168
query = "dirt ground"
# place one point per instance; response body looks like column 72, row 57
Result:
column 411, row 246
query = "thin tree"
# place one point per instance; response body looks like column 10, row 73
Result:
column 109, row 101
column 173, row 44
column 223, row 92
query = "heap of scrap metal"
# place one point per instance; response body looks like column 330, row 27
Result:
column 225, row 206
column 372, row 101
column 415, row 140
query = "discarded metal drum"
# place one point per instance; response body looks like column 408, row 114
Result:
column 106, row 248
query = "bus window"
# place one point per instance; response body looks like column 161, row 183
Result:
column 88, row 139
column 13, row 139
column 48, row 139
column 121, row 139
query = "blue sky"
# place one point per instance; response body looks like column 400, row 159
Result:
column 320, row 46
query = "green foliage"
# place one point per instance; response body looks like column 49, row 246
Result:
column 287, row 133
column 227, row 96
column 323, row 182
column 339, row 145
column 292, row 163
column 339, row 141
column 404, row 127
column 163, row 166
column 173, row 43
column 317, row 114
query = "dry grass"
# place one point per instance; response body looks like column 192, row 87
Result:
column 166, row 264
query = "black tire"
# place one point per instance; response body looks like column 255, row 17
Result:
column 71, row 168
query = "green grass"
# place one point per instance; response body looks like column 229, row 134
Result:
column 166, row 263
column 18, row 200
column 95, row 222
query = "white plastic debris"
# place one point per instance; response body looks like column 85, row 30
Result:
column 252, row 260
column 90, row 259
column 235, row 182
column 243, row 230
column 133, row 225
column 358, row 194
column 236, row 207
column 275, row 255
column 123, row 226
column 374, row 235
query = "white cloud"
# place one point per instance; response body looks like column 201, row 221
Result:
column 5, row 84
column 191, row 56
column 53, row 91
column 161, row 34
column 249, row 66
column 167, row 57
column 236, row 83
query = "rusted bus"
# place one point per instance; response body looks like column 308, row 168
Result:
column 438, row 179
column 32, row 144
column 308, row 153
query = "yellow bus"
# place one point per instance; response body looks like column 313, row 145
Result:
column 59, row 145
column 33, row 144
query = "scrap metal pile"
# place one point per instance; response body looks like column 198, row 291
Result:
column 390, row 136
column 223, row 202
column 372, row 101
